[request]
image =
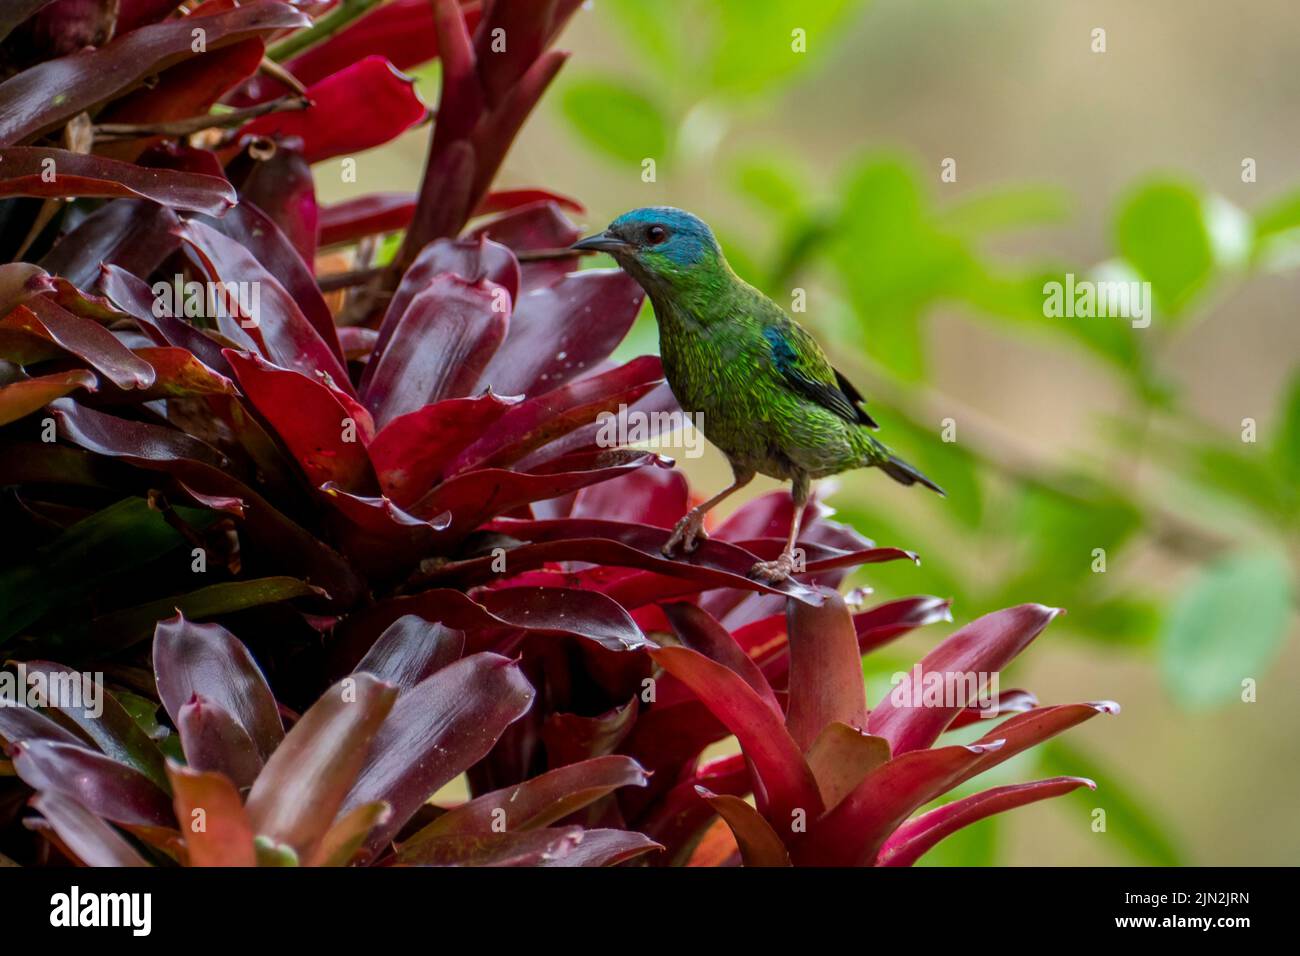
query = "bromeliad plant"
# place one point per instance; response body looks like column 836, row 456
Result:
column 390, row 476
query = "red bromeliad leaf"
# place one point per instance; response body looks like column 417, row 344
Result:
column 252, row 228
column 825, row 670
column 357, row 341
column 539, row 420
column 84, row 338
column 212, row 740
column 713, row 564
column 582, row 614
column 852, row 832
column 654, row 496
column 58, row 173
column 442, row 342
column 353, row 219
column 562, row 331
column 570, row 738
column 349, row 832
column 679, row 816
column 226, row 837
column 696, row 629
column 284, row 333
column 437, row 730
column 536, row 226
column 783, row 778
column 136, row 299
column 19, row 281
column 410, row 650
column 539, row 802
column 102, row 785
column 91, row 841
column 205, row 660
column 411, row 452
column 528, row 848
column 362, row 106
column 471, row 498
column 16, row 11
column 915, row 837
column 758, row 842
column 605, row 848
column 134, row 234
column 187, row 89
column 281, row 186
column 326, row 432
column 1008, row 702
column 21, row 398
column 48, row 94
column 910, row 717
column 505, row 200
column 138, row 13
column 304, row 783
column 177, row 373
column 472, row 260
column 27, row 723
column 841, row 757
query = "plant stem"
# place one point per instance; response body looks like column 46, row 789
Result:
column 106, row 132
column 325, row 27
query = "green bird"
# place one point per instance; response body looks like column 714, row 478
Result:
column 766, row 394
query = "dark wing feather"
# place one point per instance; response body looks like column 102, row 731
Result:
column 805, row 368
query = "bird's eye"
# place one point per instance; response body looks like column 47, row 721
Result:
column 656, row 235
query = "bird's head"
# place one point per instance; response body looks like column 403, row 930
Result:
column 662, row 247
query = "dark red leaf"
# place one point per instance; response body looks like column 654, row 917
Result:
column 437, row 730
column 43, row 97
column 909, row 718
column 696, row 629
column 92, row 841
column 504, row 200
column 759, row 843
column 604, row 848
column 362, row 106
column 353, row 219
column 212, row 740
column 570, row 738
column 282, row 187
column 85, row 338
column 654, row 496
column 226, row 837
column 1008, row 702
column 826, row 683
column 134, row 234
column 410, row 650
column 21, row 398
column 536, row 226
column 102, row 785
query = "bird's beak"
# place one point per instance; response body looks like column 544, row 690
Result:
column 601, row 242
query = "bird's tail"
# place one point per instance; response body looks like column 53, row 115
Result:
column 899, row 470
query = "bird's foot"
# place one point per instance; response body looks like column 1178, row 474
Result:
column 774, row 572
column 687, row 534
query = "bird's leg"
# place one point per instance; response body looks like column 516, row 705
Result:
column 689, row 530
column 774, row 572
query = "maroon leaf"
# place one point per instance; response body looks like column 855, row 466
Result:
column 583, row 614
column 759, row 843
column 19, row 281
column 536, row 226
column 527, row 848
column 570, row 738
column 137, row 13
column 915, row 837
column 43, row 97
column 362, row 106
column 89, row 838
column 437, row 730
column 539, row 420
column 696, row 629
column 102, row 785
column 784, row 783
column 654, row 496
column 472, row 260
column 505, row 200
column 134, row 234
column 440, row 345
column 604, row 848
column 911, row 718
column 412, row 451
column 825, row 670
column 51, row 173
column 1008, row 702
column 325, row 430
column 303, row 785
column 178, row 373
column 287, row 337
column 85, row 338
column 137, row 299
column 212, row 739
column 562, row 331
column 353, row 219
column 410, row 650
column 205, row 660
column 281, row 186
column 539, row 802
column 26, row 723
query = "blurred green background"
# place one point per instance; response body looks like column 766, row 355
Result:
column 823, row 171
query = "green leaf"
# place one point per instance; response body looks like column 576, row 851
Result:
column 776, row 187
column 1225, row 627
column 1126, row 819
column 619, row 120
column 1286, row 447
column 1013, row 208
column 755, row 41
column 1161, row 231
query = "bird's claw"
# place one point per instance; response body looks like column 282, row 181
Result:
column 774, row 572
column 687, row 535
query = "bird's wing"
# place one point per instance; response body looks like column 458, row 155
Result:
column 800, row 360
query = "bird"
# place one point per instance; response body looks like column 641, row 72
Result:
column 758, row 383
